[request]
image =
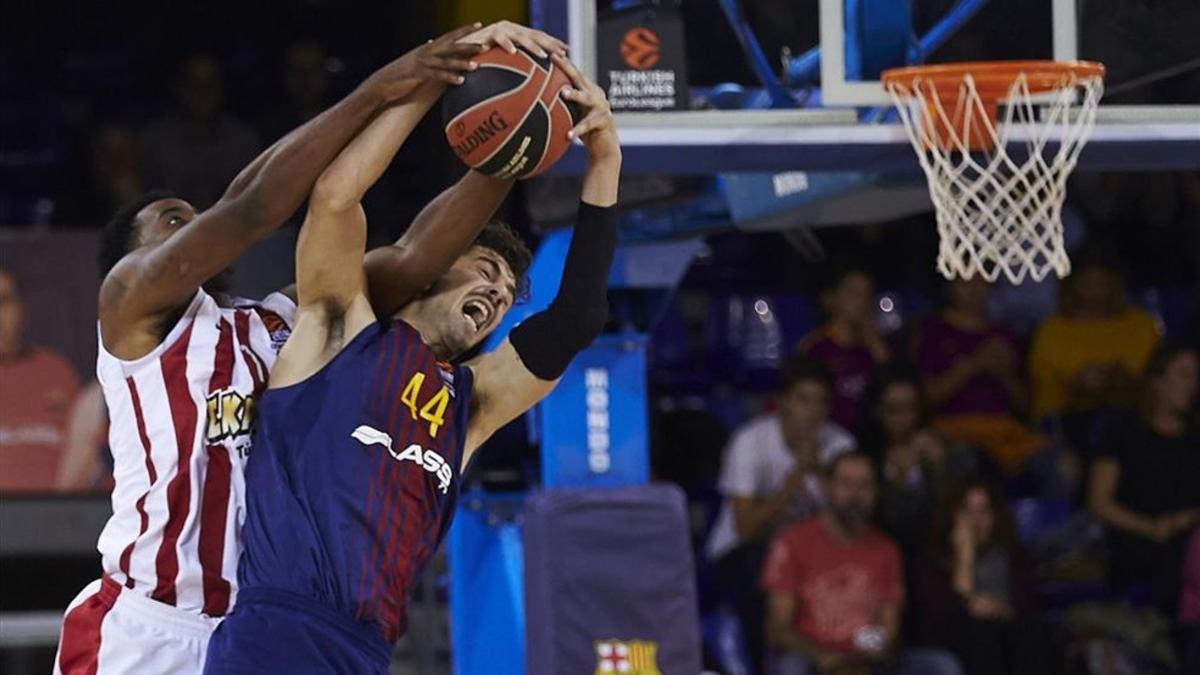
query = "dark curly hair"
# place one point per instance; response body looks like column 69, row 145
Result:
column 502, row 239
column 117, row 235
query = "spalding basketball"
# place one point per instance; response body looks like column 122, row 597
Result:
column 507, row 118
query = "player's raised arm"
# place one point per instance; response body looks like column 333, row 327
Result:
column 332, row 305
column 332, row 241
column 152, row 281
column 526, row 366
column 448, row 224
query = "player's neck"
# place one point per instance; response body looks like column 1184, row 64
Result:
column 412, row 315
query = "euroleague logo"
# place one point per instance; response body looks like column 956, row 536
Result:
column 639, row 48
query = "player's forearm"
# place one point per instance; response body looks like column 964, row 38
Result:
column 289, row 170
column 434, row 240
column 547, row 341
column 251, row 170
column 601, row 179
column 364, row 159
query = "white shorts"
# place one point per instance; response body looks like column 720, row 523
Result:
column 109, row 630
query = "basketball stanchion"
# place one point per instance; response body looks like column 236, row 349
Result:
column 997, row 141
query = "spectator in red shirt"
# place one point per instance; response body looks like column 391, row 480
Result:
column 848, row 343
column 37, row 387
column 835, row 588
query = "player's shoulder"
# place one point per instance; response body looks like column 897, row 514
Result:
column 162, row 334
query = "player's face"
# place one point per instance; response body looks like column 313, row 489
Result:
column 159, row 220
column 468, row 302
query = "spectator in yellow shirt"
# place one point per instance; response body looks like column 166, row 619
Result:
column 1085, row 357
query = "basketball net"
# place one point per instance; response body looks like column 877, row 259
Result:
column 997, row 172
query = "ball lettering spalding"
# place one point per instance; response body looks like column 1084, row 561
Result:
column 507, row 118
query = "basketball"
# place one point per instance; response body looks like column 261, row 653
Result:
column 507, row 119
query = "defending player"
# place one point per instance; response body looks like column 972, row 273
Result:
column 181, row 366
column 365, row 430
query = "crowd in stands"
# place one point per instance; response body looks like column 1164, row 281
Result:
column 876, row 504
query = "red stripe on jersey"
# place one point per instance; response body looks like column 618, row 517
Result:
column 390, row 472
column 183, row 418
column 255, row 364
column 383, row 386
column 79, row 646
column 398, row 521
column 140, row 420
column 214, row 501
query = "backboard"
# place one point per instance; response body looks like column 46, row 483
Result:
column 823, row 109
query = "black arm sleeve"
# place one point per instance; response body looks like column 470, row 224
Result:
column 548, row 340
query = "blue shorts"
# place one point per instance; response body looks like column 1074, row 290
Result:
column 275, row 631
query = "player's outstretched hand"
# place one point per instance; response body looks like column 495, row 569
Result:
column 508, row 36
column 442, row 60
column 596, row 130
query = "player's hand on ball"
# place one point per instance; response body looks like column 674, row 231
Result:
column 596, row 130
column 442, row 60
column 508, row 36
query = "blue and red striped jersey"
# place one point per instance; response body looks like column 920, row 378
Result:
column 354, row 475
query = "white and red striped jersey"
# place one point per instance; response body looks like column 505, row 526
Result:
column 180, row 436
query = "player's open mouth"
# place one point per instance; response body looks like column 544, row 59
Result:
column 478, row 312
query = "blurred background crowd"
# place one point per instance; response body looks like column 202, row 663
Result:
column 1021, row 464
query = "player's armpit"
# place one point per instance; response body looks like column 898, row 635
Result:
column 320, row 332
column 504, row 388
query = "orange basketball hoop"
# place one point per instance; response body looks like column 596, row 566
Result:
column 962, row 99
column 998, row 212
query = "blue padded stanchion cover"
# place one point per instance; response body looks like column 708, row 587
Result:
column 609, row 583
